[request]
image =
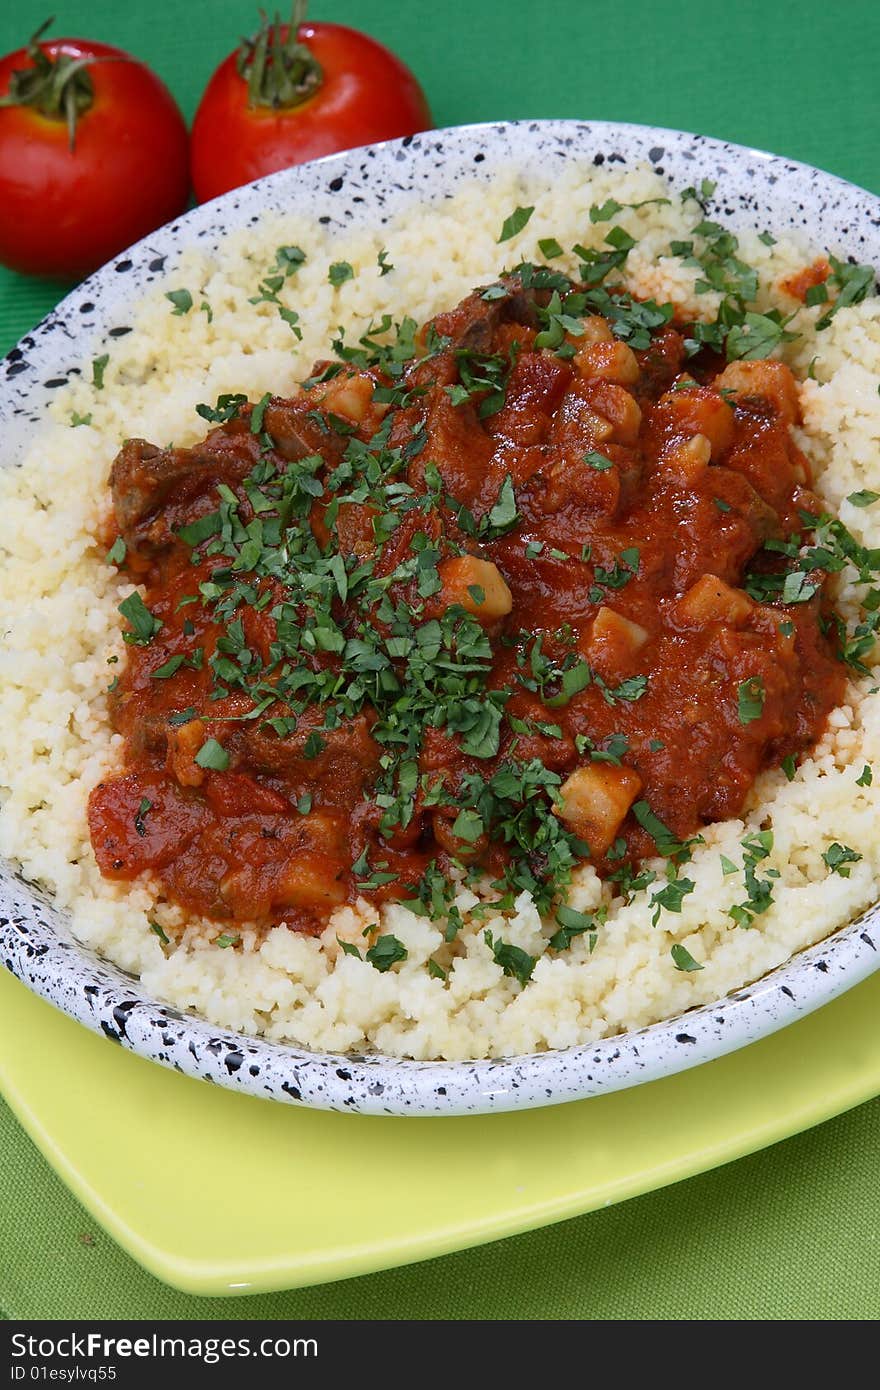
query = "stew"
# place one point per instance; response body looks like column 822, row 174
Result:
column 487, row 599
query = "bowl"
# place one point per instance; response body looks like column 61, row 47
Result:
column 371, row 185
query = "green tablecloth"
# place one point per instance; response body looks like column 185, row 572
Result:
column 791, row 1233
column 788, row 1233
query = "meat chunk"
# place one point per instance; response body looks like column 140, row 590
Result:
column 298, row 429
column 342, row 757
column 146, row 479
column 141, row 480
column 175, row 744
column 474, row 322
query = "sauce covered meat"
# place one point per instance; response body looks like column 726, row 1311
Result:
column 508, row 594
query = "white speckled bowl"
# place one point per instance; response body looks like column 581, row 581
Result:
column 370, row 185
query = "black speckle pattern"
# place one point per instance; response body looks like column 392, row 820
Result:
column 369, row 187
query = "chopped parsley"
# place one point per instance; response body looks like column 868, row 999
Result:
column 181, row 299
column 213, row 755
column 840, row 859
column 668, row 845
column 750, row 699
column 572, row 924
column 670, row 896
column 226, row 408
column 515, row 223
column 144, row 625
column 514, row 961
column 483, row 376
column 853, row 283
column 682, row 958
column 258, row 413
column 701, row 195
column 99, row 366
column 386, row 951
column 288, row 259
column 467, row 826
column 339, row 272
column 756, row 848
column 757, row 336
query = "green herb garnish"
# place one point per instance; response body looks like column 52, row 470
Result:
column 682, row 958
column 144, row 626
column 515, row 223
column 840, row 858
column 181, row 299
column 213, row 755
column 514, row 961
column 385, row 952
column 750, row 699
column 339, row 272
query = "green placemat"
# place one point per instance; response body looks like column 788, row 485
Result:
column 788, row 1233
column 791, row 1233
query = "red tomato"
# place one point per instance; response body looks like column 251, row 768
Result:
column 364, row 94
column 64, row 211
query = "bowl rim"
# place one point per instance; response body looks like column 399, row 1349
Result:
column 106, row 999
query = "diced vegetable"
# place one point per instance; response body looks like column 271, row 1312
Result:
column 613, row 643
column 349, row 396
column 596, row 330
column 700, row 410
column 184, row 742
column 477, row 585
column 612, row 361
column 690, row 459
column 594, row 801
column 710, row 600
column 619, row 408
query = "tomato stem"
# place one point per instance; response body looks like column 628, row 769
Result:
column 59, row 88
column 280, row 71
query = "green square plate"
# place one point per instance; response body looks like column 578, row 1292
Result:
column 220, row 1193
